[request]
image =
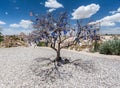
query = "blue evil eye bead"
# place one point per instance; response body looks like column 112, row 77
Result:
column 61, row 25
column 37, row 19
column 94, row 31
column 91, row 26
column 65, row 19
column 51, row 29
column 65, row 32
column 53, row 34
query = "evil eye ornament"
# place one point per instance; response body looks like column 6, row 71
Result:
column 65, row 32
column 53, row 33
column 94, row 32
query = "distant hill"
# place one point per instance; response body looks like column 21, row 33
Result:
column 14, row 40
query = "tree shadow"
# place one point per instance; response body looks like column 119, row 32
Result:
column 88, row 66
column 48, row 70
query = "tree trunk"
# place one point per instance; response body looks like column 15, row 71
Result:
column 58, row 58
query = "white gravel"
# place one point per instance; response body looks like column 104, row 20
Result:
column 95, row 71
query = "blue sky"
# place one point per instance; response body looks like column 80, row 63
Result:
column 15, row 14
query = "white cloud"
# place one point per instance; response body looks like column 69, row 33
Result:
column 2, row 23
column 108, row 23
column 113, row 12
column 23, row 24
column 85, row 11
column 50, row 10
column 53, row 5
column 12, row 31
column 118, row 9
column 110, row 20
column 14, row 25
column 109, row 30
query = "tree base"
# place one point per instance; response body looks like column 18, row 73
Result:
column 61, row 61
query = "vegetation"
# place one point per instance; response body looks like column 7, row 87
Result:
column 111, row 47
column 1, row 37
column 96, row 46
column 41, row 43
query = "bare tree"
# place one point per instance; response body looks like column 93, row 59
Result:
column 55, row 29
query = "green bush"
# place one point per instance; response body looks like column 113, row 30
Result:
column 1, row 38
column 96, row 46
column 111, row 47
column 41, row 44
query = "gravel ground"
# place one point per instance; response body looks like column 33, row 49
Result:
column 95, row 71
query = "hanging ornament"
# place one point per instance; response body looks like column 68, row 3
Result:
column 94, row 32
column 53, row 34
column 65, row 32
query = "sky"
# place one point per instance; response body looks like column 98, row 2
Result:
column 15, row 14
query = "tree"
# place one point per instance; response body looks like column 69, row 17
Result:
column 55, row 30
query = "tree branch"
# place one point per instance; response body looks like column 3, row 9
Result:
column 53, row 48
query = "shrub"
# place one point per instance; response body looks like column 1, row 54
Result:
column 111, row 47
column 1, row 38
column 96, row 46
column 41, row 43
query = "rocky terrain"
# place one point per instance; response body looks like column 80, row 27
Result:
column 20, row 68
